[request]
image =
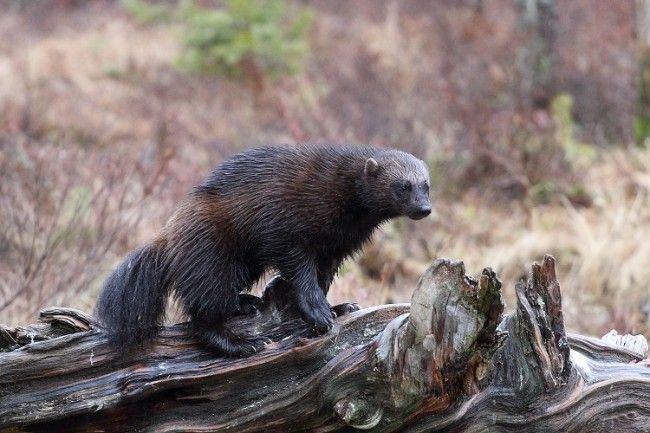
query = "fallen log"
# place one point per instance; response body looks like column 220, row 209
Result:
column 448, row 362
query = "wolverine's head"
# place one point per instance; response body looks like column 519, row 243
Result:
column 396, row 183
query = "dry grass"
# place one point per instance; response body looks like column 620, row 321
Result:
column 602, row 250
column 100, row 135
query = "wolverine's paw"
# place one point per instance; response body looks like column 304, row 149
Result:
column 344, row 308
column 226, row 343
column 249, row 346
column 242, row 346
column 316, row 312
column 249, row 304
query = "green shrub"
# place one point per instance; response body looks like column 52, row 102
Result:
column 575, row 152
column 260, row 34
column 145, row 12
column 641, row 129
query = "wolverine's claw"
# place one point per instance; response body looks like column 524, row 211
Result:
column 345, row 308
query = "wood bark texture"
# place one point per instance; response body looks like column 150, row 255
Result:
column 448, row 362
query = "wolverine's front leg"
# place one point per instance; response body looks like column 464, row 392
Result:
column 282, row 293
column 306, row 292
column 326, row 275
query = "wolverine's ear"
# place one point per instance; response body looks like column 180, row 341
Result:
column 371, row 166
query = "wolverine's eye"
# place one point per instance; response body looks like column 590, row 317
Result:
column 425, row 187
column 406, row 186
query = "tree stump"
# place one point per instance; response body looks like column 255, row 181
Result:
column 448, row 362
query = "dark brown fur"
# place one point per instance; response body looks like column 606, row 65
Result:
column 298, row 210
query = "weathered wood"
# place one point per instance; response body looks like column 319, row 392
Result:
column 448, row 362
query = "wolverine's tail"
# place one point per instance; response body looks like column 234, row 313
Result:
column 132, row 300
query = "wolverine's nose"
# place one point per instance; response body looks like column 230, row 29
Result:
column 424, row 211
column 420, row 212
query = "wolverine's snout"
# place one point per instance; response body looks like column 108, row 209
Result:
column 423, row 211
column 421, row 208
column 420, row 212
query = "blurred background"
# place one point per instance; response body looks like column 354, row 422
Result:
column 533, row 115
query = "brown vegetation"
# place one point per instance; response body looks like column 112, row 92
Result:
column 101, row 134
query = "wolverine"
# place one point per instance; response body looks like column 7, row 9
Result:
column 298, row 211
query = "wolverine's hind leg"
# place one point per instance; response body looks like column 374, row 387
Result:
column 208, row 289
